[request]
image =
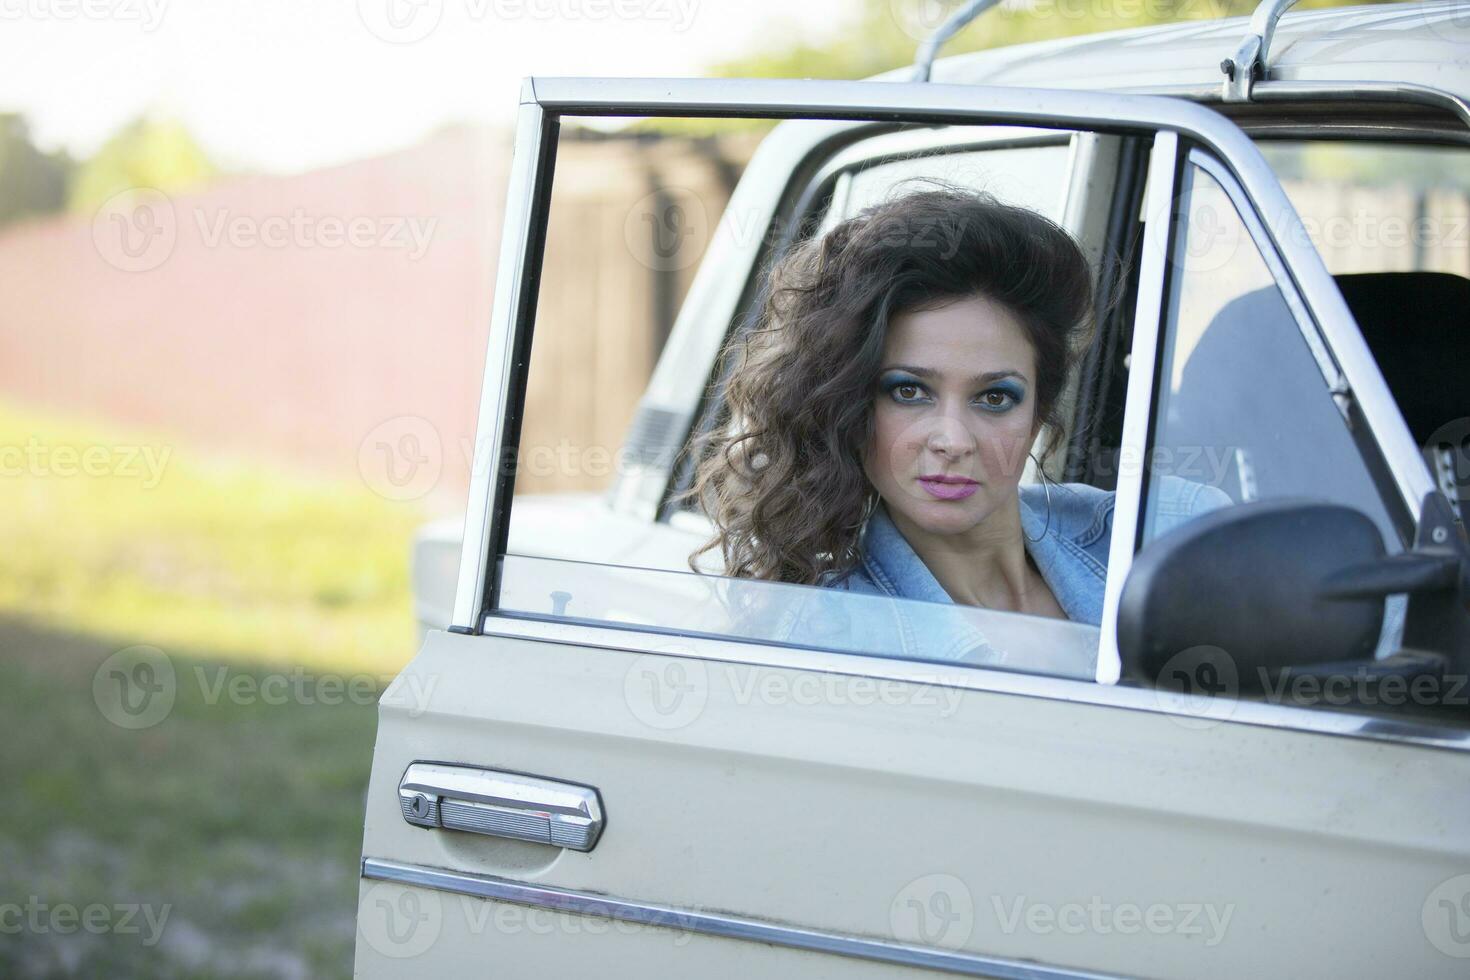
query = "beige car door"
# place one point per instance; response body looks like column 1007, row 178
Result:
column 593, row 772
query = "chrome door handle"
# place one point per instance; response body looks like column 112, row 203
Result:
column 501, row 804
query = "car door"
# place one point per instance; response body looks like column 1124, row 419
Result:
column 595, row 770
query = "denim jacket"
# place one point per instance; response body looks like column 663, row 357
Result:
column 1071, row 552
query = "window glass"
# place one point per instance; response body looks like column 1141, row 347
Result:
column 1027, row 167
column 1392, row 222
column 1243, row 411
column 1242, row 406
column 797, row 616
column 1379, row 207
column 633, row 214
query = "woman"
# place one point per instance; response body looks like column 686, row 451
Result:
column 883, row 407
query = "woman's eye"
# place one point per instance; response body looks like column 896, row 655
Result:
column 905, row 391
column 997, row 399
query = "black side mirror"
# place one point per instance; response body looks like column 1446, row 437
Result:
column 1251, row 582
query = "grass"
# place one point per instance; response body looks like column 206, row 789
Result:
column 208, row 553
column 238, row 823
column 238, row 818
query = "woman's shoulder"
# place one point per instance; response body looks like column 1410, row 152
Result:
column 1084, row 513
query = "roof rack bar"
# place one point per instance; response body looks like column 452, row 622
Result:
column 1249, row 63
column 953, row 24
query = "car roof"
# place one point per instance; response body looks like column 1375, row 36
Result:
column 1419, row 43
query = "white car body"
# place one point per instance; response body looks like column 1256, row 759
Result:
column 817, row 813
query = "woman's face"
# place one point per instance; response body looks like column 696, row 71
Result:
column 954, row 414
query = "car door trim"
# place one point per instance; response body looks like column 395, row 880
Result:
column 1286, row 717
column 484, row 530
column 1148, row 317
column 722, row 925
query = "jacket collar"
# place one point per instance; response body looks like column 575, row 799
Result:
column 892, row 563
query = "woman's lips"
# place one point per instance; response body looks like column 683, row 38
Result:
column 949, row 487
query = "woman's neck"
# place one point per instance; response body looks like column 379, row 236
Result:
column 985, row 566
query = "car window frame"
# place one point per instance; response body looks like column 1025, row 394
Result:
column 1167, row 119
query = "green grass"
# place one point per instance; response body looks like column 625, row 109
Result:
column 221, row 554
column 242, row 818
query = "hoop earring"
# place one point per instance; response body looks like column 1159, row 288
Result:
column 868, row 509
column 1046, row 484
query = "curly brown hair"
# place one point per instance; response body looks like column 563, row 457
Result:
column 782, row 476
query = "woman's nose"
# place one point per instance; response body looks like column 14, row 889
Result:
column 948, row 436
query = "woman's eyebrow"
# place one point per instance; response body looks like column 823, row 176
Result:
column 986, row 378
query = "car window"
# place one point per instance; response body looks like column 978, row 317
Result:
column 573, row 554
column 1028, row 167
column 797, row 616
column 1392, row 223
column 1242, row 405
column 1242, row 409
column 1379, row 207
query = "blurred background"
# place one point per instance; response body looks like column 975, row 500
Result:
column 246, row 265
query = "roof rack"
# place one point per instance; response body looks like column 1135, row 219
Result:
column 1249, row 62
column 953, row 24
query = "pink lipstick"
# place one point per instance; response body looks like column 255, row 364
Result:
column 944, row 487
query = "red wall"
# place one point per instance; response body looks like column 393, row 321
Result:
column 296, row 351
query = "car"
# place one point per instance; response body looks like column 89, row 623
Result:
column 604, row 759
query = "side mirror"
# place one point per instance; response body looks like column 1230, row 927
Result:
column 1248, row 586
